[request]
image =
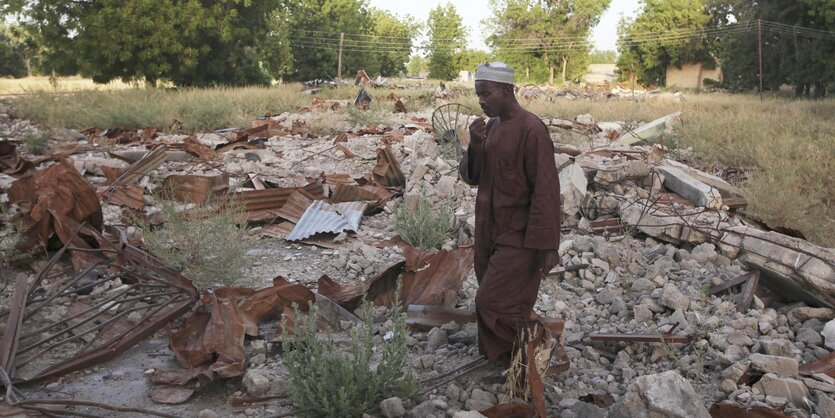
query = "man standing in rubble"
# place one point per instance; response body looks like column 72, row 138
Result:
column 517, row 214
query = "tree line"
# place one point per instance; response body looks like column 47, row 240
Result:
column 246, row 42
column 796, row 37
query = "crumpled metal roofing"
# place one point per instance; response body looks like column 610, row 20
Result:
column 321, row 216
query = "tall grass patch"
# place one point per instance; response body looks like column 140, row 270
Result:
column 185, row 110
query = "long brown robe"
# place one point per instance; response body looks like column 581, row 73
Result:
column 517, row 230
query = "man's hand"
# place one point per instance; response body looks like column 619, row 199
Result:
column 478, row 131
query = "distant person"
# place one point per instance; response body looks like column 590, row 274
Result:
column 517, row 214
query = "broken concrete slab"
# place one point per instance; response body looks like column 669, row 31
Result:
column 573, row 187
column 697, row 192
column 665, row 394
column 792, row 267
column 791, row 389
column 783, row 366
column 648, row 131
column 630, row 169
column 725, row 189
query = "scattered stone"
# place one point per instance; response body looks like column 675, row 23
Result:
column 480, row 400
column 207, row 413
column 435, row 339
column 781, row 366
column 791, row 389
column 824, row 406
column 255, row 383
column 424, row 409
column 392, row 407
column 672, row 298
column 468, row 414
column 587, row 410
column 808, row 336
column 829, row 334
column 666, row 393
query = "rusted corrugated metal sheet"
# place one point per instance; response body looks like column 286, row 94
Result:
column 128, row 196
column 10, row 162
column 732, row 410
column 196, row 189
column 825, row 365
column 322, row 217
column 347, row 193
column 262, row 205
column 296, row 205
column 142, row 167
column 435, row 278
column 387, row 171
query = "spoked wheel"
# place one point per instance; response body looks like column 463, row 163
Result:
column 450, row 122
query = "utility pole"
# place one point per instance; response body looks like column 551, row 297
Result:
column 339, row 70
column 760, row 51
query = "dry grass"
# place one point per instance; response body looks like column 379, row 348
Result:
column 60, row 84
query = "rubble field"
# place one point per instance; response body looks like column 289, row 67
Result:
column 666, row 302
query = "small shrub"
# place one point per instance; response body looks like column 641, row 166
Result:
column 208, row 243
column 326, row 381
column 36, row 141
column 10, row 254
column 422, row 225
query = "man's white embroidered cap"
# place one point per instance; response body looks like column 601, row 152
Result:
column 498, row 72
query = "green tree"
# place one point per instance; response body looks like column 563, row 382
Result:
column 417, row 63
column 661, row 36
column 392, row 42
column 315, row 26
column 447, row 38
column 603, row 57
column 191, row 43
column 469, row 59
column 541, row 36
column 11, row 64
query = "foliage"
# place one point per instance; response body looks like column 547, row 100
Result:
column 539, row 36
column 314, row 27
column 447, row 38
column 805, row 62
column 469, row 59
column 422, row 225
column 394, row 37
column 36, row 141
column 189, row 43
column 664, row 19
column 328, row 381
column 11, row 63
column 207, row 243
column 417, row 64
column 603, row 57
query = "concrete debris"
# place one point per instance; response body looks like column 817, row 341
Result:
column 648, row 132
column 690, row 188
column 668, row 394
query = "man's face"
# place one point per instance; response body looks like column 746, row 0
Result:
column 492, row 97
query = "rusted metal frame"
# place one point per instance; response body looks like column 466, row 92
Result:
column 747, row 295
column 8, row 345
column 91, row 285
column 140, row 168
column 55, row 295
column 102, row 303
column 641, row 338
column 103, row 354
column 70, row 402
column 75, row 337
column 129, row 272
column 51, row 264
column 477, row 362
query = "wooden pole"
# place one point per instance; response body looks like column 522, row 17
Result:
column 760, row 52
column 339, row 69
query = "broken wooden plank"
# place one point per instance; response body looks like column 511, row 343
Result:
column 747, row 295
column 724, row 287
column 641, row 338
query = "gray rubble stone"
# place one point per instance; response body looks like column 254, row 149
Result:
column 781, row 366
column 587, row 410
column 480, row 400
column 829, row 334
column 791, row 389
column 808, row 336
column 424, row 409
column 453, row 392
column 643, row 284
column 814, row 384
column 642, row 313
column 670, row 394
column 207, row 413
column 782, row 348
column 435, row 339
column 392, row 407
column 255, row 383
column 804, row 313
column 672, row 298
column 468, row 414
column 824, row 406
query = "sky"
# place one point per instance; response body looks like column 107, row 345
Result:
column 474, row 11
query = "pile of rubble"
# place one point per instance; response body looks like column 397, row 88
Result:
column 666, row 302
